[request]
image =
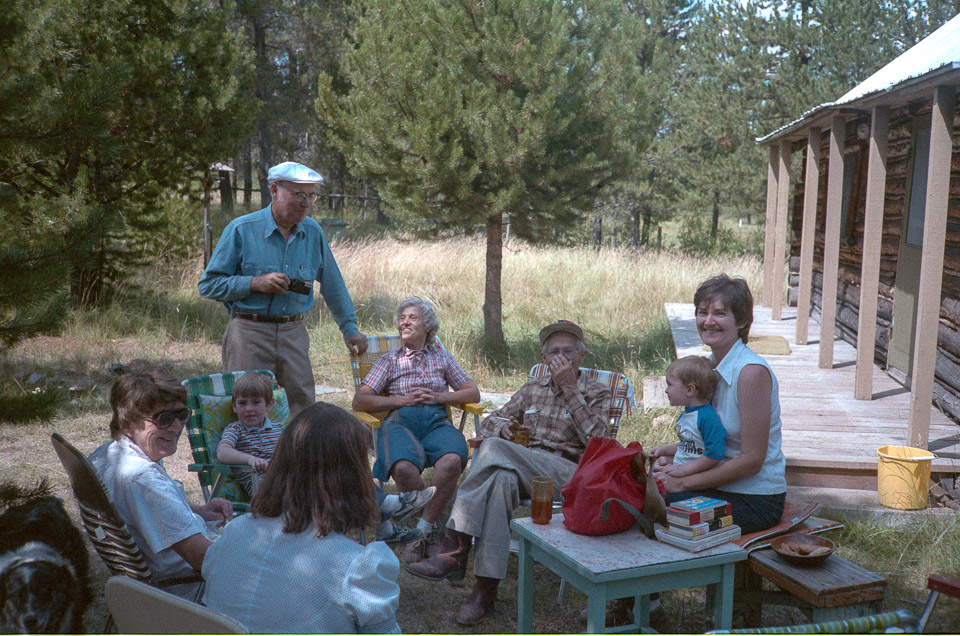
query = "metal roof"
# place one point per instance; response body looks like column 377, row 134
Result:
column 938, row 50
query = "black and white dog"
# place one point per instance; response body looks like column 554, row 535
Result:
column 43, row 570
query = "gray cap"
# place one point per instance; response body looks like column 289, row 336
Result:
column 293, row 172
column 561, row 325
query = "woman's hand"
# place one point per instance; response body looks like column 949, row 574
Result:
column 671, row 483
column 216, row 509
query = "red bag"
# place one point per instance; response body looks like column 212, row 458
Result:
column 604, row 483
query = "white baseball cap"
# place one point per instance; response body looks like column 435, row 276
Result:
column 293, row 172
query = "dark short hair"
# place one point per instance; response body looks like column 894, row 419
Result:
column 320, row 474
column 735, row 294
column 253, row 385
column 139, row 393
column 695, row 370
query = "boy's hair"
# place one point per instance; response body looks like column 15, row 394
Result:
column 319, row 477
column 253, row 385
column 695, row 370
column 139, row 393
column 735, row 294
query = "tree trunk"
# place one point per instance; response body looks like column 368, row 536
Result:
column 226, row 193
column 597, row 231
column 635, row 228
column 247, row 176
column 647, row 222
column 715, row 224
column 492, row 298
column 263, row 65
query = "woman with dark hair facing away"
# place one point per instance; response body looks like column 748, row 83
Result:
column 289, row 566
column 751, row 476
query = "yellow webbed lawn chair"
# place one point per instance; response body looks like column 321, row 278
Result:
column 208, row 396
column 360, row 365
column 622, row 398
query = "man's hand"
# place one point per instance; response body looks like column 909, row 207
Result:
column 511, row 427
column 273, row 283
column 563, row 372
column 356, row 344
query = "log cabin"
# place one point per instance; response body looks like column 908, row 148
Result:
column 871, row 237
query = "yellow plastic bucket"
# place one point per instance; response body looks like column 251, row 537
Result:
column 903, row 477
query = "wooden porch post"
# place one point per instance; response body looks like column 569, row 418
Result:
column 780, row 234
column 831, row 247
column 811, row 191
column 872, row 238
column 770, row 221
column 931, row 265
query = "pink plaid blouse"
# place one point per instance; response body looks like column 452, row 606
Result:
column 403, row 370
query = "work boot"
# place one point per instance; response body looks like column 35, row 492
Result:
column 480, row 602
column 422, row 548
column 450, row 561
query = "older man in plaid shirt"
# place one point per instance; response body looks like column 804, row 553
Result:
column 558, row 414
column 418, row 432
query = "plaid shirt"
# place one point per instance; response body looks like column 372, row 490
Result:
column 404, row 370
column 564, row 423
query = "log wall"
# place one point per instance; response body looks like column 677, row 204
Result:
column 947, row 389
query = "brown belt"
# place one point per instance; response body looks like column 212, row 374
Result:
column 260, row 318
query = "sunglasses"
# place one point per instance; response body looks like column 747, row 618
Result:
column 165, row 419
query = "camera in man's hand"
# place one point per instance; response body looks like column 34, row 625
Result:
column 298, row 286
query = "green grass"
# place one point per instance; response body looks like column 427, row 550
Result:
column 617, row 296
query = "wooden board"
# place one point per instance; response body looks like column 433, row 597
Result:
column 829, row 437
column 834, row 583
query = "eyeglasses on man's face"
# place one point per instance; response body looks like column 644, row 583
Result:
column 568, row 352
column 300, row 196
column 166, row 418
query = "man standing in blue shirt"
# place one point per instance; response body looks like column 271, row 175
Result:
column 263, row 270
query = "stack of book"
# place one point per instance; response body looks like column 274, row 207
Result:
column 698, row 523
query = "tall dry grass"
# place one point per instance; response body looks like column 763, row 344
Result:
column 616, row 295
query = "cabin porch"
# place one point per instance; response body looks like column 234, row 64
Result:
column 830, row 439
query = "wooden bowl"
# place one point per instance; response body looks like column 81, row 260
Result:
column 803, row 549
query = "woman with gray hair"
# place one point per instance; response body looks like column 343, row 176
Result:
column 414, row 383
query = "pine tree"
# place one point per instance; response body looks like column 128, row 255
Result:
column 464, row 111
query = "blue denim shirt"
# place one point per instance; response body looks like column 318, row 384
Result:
column 252, row 245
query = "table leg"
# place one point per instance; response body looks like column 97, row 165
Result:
column 723, row 598
column 641, row 611
column 596, row 611
column 525, row 589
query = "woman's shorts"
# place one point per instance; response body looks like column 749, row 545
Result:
column 419, row 434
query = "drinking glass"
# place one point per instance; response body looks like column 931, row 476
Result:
column 541, row 508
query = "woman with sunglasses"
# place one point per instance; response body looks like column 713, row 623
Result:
column 149, row 413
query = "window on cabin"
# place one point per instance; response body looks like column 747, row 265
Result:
column 918, row 187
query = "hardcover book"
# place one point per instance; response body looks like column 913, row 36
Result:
column 700, row 529
column 730, row 533
column 697, row 510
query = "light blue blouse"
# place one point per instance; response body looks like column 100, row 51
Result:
column 771, row 479
column 271, row 581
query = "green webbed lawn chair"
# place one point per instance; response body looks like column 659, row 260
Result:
column 208, row 396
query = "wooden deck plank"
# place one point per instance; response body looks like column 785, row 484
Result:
column 824, row 427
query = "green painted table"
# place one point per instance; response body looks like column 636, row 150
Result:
column 619, row 566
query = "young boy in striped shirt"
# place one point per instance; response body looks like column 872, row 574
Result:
column 252, row 439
